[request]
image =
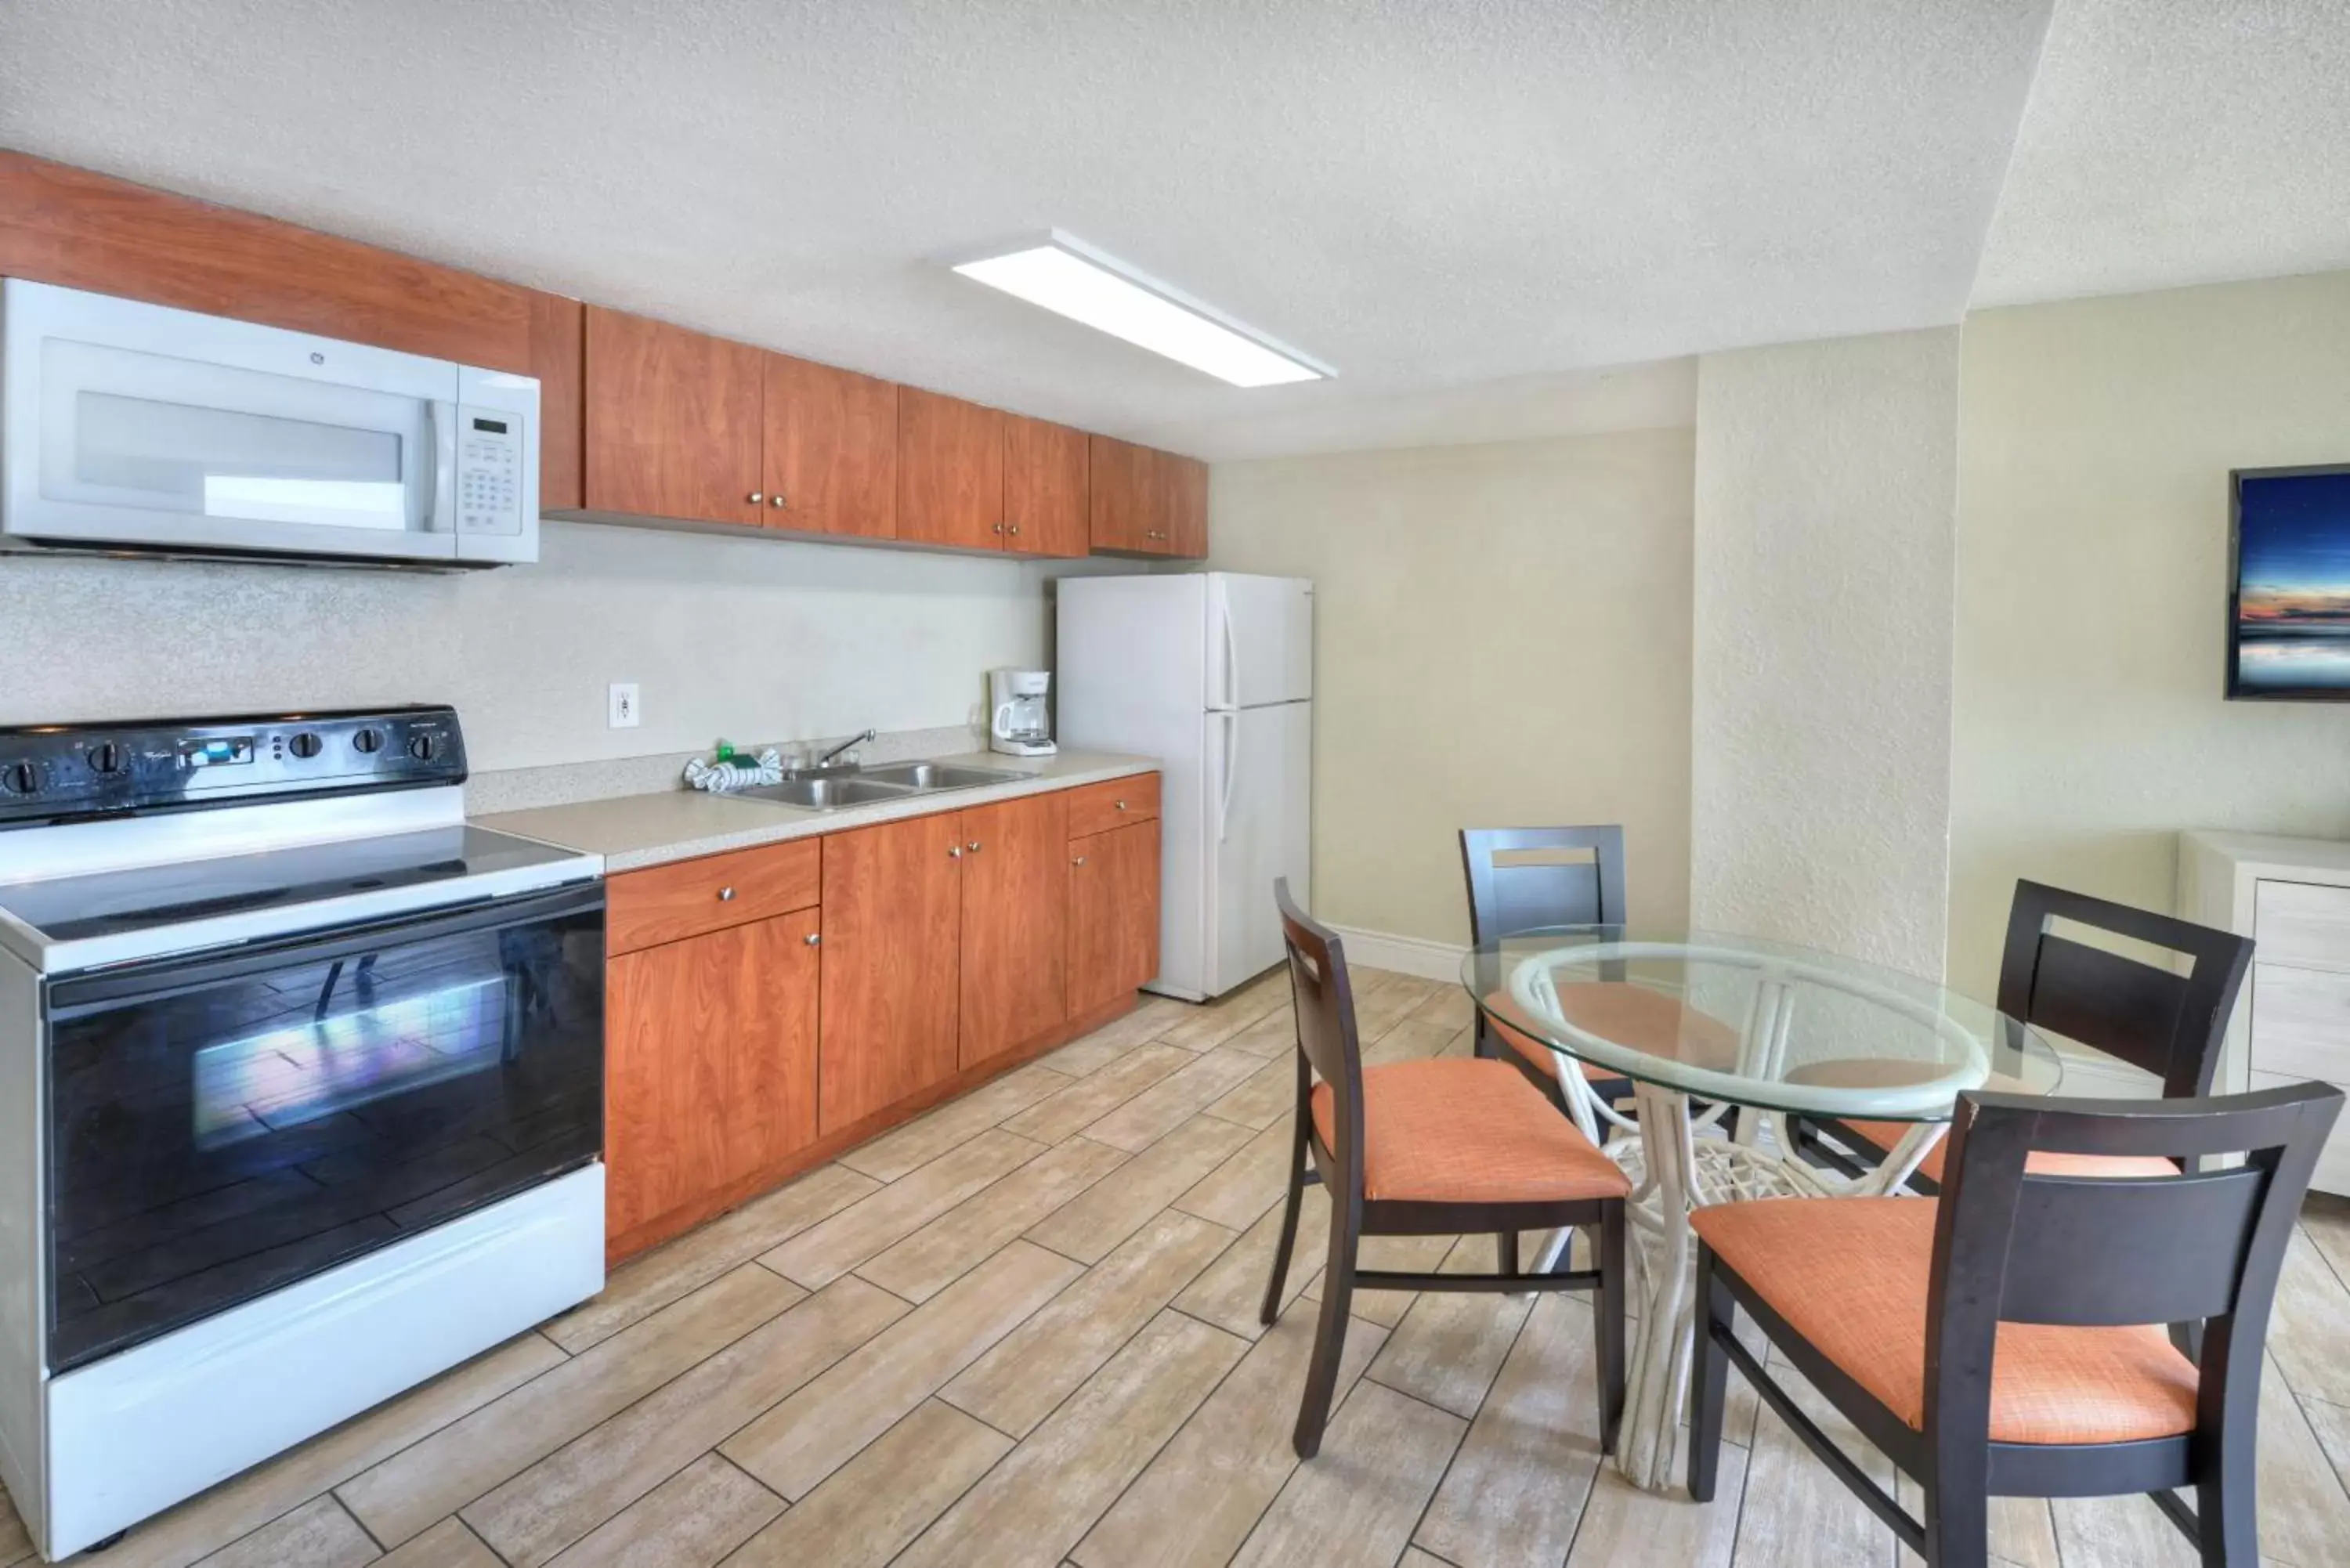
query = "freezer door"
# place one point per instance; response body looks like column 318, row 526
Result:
column 1259, row 778
column 1260, row 639
column 1130, row 656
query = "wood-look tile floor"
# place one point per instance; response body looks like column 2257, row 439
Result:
column 1022, row 1330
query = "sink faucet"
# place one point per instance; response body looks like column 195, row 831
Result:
column 826, row 759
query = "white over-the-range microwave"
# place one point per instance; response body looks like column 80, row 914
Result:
column 129, row 427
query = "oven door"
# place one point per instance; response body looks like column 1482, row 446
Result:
column 222, row 1126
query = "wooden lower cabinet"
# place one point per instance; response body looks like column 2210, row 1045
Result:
column 711, row 1063
column 864, row 975
column 1014, row 923
column 892, row 925
column 1113, row 904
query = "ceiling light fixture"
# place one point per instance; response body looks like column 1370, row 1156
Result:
column 1071, row 278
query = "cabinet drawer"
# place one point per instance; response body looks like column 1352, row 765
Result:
column 2300, row 1021
column 668, row 903
column 1098, row 808
column 2304, row 923
column 2333, row 1174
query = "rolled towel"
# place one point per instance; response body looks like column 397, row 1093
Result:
column 720, row 777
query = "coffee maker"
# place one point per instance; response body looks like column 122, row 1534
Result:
column 1020, row 725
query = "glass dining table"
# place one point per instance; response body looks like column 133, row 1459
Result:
column 1724, row 1039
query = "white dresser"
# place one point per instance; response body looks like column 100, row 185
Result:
column 2291, row 896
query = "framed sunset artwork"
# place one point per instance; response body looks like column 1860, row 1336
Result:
column 2289, row 600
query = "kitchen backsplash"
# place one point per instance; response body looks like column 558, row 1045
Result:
column 756, row 641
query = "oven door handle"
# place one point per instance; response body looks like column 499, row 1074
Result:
column 104, row 989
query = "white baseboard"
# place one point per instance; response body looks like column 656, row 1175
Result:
column 1405, row 955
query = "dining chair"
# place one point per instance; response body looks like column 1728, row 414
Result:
column 2148, row 1015
column 2006, row 1341
column 1524, row 877
column 1440, row 1146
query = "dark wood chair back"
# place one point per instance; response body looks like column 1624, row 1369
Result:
column 1326, row 1040
column 2170, row 1023
column 2018, row 1246
column 1522, row 877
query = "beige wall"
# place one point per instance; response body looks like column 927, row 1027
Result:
column 1826, row 481
column 2095, row 438
column 763, row 639
column 1502, row 637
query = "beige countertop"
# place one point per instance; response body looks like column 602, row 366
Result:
column 635, row 830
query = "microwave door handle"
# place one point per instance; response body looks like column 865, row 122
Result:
column 441, row 466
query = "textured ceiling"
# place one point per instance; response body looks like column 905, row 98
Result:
column 1494, row 218
column 1427, row 195
column 2177, row 141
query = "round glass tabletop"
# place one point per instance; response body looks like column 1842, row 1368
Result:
column 1754, row 1022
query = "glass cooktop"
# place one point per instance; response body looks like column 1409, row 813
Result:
column 115, row 903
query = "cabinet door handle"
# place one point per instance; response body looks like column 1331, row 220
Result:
column 973, row 847
column 954, row 851
column 999, row 527
column 725, row 895
column 1121, row 805
column 812, row 937
column 1078, row 861
column 756, row 497
column 776, row 499
column 1015, row 528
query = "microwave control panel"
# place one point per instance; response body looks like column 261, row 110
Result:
column 489, row 472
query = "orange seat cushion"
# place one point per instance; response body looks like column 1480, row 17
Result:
column 2042, row 1162
column 1444, row 1130
column 1850, row 1275
column 1630, row 1015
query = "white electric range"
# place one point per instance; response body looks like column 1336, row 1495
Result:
column 301, row 1092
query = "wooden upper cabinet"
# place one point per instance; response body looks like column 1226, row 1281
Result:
column 831, row 450
column 893, row 923
column 1147, row 501
column 1044, row 488
column 1112, row 915
column 950, row 471
column 1185, row 480
column 559, row 358
column 1125, row 499
column 710, row 1071
column 85, row 230
column 674, row 421
column 1016, row 901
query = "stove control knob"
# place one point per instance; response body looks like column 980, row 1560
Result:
column 368, row 741
column 19, row 778
column 106, row 757
column 424, row 748
column 304, row 745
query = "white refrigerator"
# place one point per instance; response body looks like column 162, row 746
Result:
column 1212, row 674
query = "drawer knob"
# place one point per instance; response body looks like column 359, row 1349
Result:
column 999, row 527
column 973, row 847
column 776, row 499
column 954, row 851
column 1121, row 805
column 1015, row 528
column 725, row 895
column 756, row 498
column 1078, row 861
column 812, row 937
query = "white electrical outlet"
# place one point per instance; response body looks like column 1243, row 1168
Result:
column 621, row 710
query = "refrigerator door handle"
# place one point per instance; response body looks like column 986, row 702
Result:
column 1232, row 659
column 1231, row 771
column 1219, row 610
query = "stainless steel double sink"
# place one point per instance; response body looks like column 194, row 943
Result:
column 864, row 786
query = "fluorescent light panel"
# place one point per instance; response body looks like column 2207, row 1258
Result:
column 1084, row 286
